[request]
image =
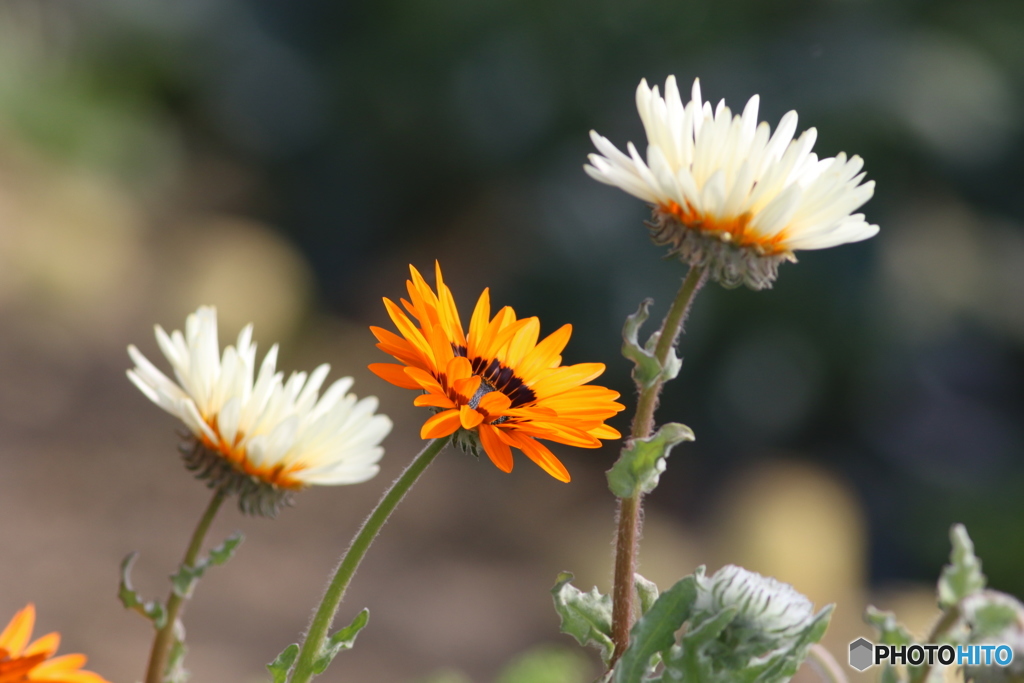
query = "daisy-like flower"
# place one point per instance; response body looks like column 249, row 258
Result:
column 727, row 194
column 21, row 660
column 496, row 388
column 253, row 433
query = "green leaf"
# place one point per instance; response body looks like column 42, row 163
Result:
column 154, row 611
column 342, row 640
column 655, row 631
column 890, row 631
column 643, row 460
column 280, row 667
column 647, row 369
column 587, row 617
column 647, row 591
column 962, row 577
column 184, row 580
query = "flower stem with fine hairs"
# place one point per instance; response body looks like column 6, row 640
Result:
column 627, row 537
column 317, row 633
column 164, row 640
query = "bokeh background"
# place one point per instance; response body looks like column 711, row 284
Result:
column 286, row 161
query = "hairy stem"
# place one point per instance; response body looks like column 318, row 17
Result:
column 321, row 623
column 630, row 509
column 164, row 640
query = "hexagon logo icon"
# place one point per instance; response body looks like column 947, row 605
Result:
column 861, row 654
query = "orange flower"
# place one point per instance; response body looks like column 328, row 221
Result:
column 498, row 383
column 24, row 661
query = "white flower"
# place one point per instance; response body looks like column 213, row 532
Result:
column 717, row 178
column 764, row 605
column 271, row 432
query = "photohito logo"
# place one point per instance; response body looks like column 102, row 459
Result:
column 865, row 654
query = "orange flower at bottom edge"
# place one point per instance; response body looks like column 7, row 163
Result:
column 24, row 661
column 498, row 383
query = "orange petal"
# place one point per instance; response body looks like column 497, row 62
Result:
column 545, row 354
column 540, row 454
column 605, row 432
column 565, row 378
column 395, row 374
column 466, row 388
column 498, row 338
column 494, row 404
column 46, row 645
column 446, row 311
column 440, row 425
column 440, row 345
column 458, row 368
column 469, row 418
column 497, row 450
column 433, row 401
column 424, row 380
column 61, row 665
column 560, row 433
column 478, row 323
column 18, row 631
column 522, row 343
column 408, row 330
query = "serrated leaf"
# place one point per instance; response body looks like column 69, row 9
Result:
column 647, row 370
column 890, row 631
column 587, row 617
column 152, row 610
column 962, row 577
column 643, row 460
column 184, row 580
column 647, row 591
column 342, row 640
column 226, row 550
column 283, row 663
column 655, row 631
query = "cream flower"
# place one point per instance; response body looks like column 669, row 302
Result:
column 726, row 193
column 257, row 434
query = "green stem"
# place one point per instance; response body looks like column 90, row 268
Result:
column 317, row 633
column 164, row 640
column 630, row 509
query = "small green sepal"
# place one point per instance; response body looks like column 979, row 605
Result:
column 643, row 460
column 587, row 617
column 280, row 667
column 130, row 598
column 342, row 640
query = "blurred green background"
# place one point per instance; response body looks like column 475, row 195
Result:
column 287, row 161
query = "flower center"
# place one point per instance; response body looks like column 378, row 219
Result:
column 727, row 229
column 498, row 378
